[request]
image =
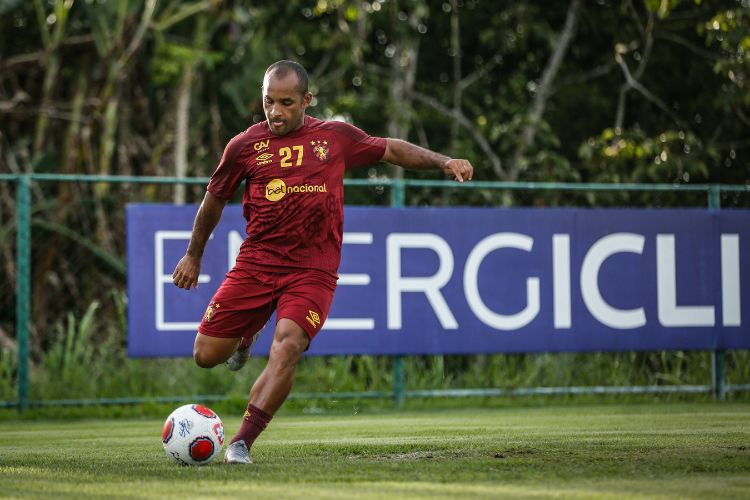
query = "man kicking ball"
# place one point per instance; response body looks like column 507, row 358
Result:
column 294, row 167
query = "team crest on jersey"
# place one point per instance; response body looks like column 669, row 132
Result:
column 211, row 311
column 320, row 149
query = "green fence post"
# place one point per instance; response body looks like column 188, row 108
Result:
column 717, row 357
column 23, row 288
column 714, row 196
column 399, row 395
column 398, row 193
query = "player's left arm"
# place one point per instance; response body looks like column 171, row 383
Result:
column 408, row 155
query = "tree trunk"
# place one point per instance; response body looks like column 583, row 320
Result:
column 544, row 89
column 403, row 75
column 182, row 131
column 51, row 42
column 457, row 83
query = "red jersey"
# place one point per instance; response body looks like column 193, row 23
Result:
column 294, row 194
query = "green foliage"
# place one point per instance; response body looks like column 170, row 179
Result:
column 730, row 30
column 8, row 367
column 632, row 156
column 663, row 8
column 92, row 86
column 170, row 60
column 69, row 364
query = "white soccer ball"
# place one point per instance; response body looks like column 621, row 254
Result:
column 193, row 435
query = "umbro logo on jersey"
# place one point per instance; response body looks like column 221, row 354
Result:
column 264, row 158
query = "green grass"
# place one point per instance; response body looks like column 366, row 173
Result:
column 680, row 450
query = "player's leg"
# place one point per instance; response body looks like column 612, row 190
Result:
column 302, row 309
column 241, row 306
column 211, row 351
column 270, row 389
column 237, row 360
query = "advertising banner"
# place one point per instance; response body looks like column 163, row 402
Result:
column 477, row 280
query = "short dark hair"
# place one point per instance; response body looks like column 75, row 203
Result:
column 283, row 67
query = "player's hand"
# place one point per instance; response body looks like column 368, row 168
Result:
column 460, row 170
column 186, row 272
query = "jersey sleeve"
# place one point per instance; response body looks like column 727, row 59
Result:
column 360, row 148
column 230, row 172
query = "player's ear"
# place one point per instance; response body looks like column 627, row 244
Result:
column 307, row 99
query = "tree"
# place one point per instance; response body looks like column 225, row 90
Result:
column 608, row 91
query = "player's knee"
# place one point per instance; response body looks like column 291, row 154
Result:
column 289, row 348
column 286, row 351
column 203, row 359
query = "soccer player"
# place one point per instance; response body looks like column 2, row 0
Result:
column 294, row 167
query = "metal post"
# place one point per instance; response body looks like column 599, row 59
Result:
column 399, row 394
column 23, row 288
column 398, row 193
column 714, row 196
column 717, row 356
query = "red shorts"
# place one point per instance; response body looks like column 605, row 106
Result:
column 246, row 299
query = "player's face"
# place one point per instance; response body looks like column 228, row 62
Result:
column 283, row 103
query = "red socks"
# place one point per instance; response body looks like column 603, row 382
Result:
column 253, row 423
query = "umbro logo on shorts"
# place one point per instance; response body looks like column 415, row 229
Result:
column 313, row 318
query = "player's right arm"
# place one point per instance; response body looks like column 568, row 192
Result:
column 186, row 272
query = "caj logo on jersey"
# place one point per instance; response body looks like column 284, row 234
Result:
column 261, row 145
column 320, row 149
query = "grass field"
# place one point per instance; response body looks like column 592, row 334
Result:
column 680, row 450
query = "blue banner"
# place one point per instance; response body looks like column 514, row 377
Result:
column 477, row 280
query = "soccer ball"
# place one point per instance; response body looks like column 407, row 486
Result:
column 193, row 435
